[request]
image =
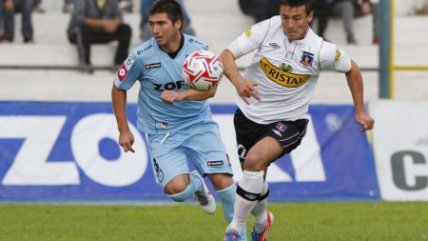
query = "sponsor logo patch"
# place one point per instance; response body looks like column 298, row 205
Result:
column 248, row 33
column 215, row 163
column 124, row 68
column 121, row 74
column 152, row 66
column 279, row 76
column 338, row 55
column 129, row 62
column 274, row 45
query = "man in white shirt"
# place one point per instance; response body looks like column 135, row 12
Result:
column 275, row 92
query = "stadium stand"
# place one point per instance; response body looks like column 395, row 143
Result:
column 218, row 23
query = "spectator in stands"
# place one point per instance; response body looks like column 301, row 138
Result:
column 347, row 10
column 259, row 9
column 98, row 21
column 10, row 7
column 322, row 11
column 146, row 33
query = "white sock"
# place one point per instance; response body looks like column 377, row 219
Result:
column 260, row 212
column 252, row 182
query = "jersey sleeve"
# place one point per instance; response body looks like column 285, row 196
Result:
column 333, row 58
column 129, row 72
column 250, row 40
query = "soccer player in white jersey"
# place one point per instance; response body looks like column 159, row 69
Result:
column 274, row 96
column 177, row 120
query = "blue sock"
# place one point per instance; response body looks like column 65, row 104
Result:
column 227, row 196
column 193, row 186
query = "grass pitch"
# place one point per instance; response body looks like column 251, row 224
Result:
column 309, row 221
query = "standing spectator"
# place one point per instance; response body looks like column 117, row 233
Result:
column 347, row 10
column 146, row 33
column 10, row 7
column 98, row 21
column 322, row 11
column 275, row 92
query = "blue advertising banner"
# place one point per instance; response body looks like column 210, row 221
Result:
column 68, row 151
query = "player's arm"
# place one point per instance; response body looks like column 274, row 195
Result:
column 126, row 139
column 332, row 58
column 355, row 83
column 245, row 88
column 247, row 42
column 170, row 97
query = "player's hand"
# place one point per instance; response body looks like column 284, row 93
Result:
column 247, row 89
column 366, row 122
column 170, row 97
column 126, row 140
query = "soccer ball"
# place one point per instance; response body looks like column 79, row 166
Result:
column 202, row 70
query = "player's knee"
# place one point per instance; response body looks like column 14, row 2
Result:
column 178, row 193
column 177, row 184
column 174, row 188
column 254, row 162
column 221, row 180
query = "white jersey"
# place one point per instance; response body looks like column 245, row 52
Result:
column 286, row 73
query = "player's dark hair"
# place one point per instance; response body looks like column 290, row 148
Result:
column 297, row 3
column 171, row 7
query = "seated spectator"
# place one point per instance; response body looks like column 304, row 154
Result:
column 347, row 10
column 98, row 21
column 146, row 33
column 10, row 7
column 322, row 12
column 253, row 8
column 259, row 9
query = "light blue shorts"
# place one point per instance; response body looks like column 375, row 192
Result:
column 201, row 144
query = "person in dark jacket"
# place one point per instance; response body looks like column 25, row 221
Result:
column 98, row 21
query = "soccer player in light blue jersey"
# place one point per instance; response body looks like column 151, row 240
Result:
column 177, row 120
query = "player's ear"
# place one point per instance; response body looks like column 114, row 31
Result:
column 179, row 24
column 310, row 16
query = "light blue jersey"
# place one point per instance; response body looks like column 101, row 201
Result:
column 179, row 133
column 157, row 71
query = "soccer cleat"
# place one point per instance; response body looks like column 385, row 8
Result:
column 231, row 235
column 205, row 198
column 262, row 236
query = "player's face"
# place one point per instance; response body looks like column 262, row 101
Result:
column 164, row 30
column 295, row 21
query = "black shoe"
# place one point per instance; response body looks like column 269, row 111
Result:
column 28, row 41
